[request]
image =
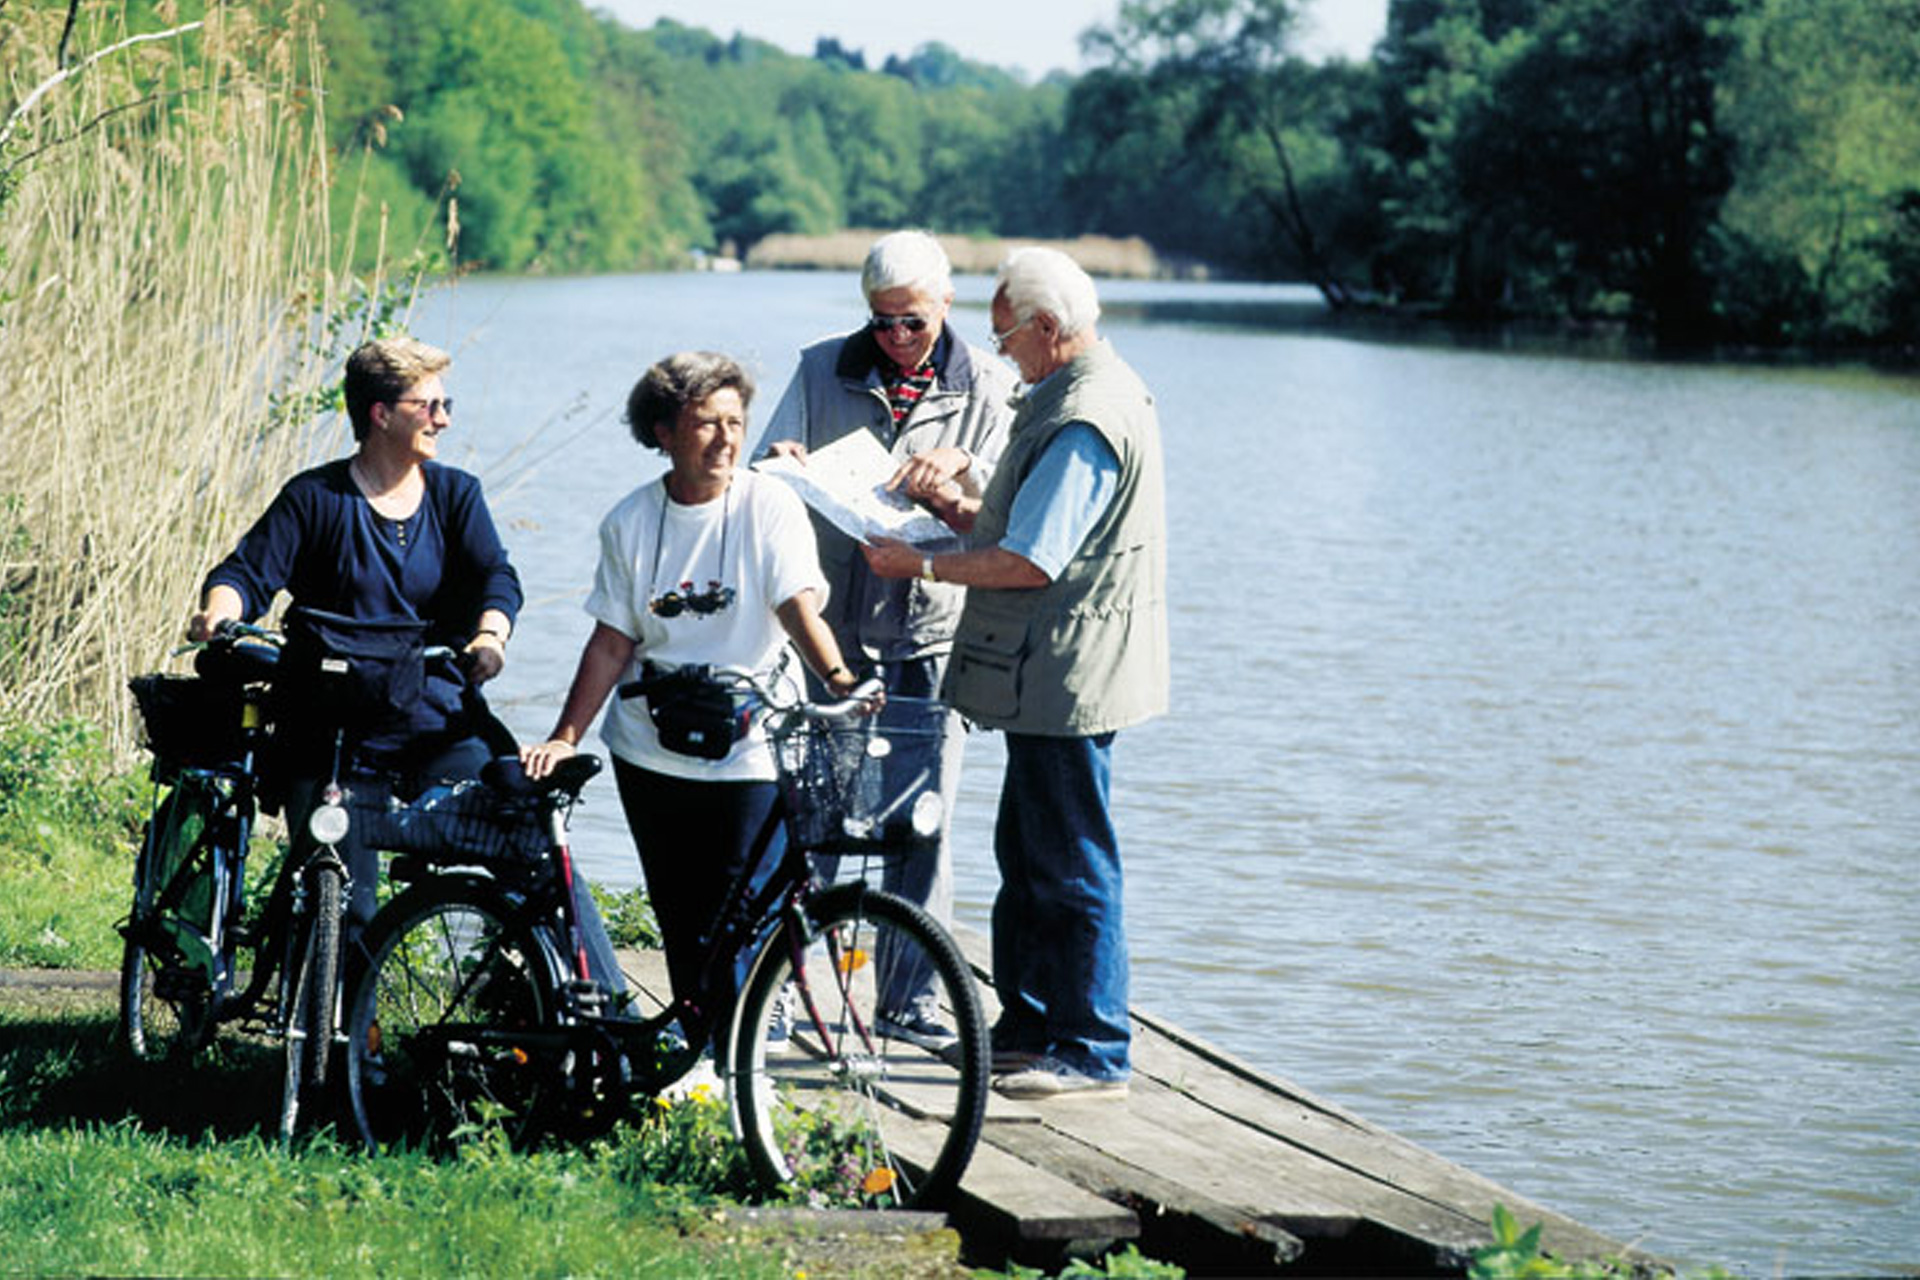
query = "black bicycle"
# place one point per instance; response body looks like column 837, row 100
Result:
column 185, row 935
column 195, row 955
column 476, row 1006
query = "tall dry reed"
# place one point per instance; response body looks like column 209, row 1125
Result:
column 163, row 255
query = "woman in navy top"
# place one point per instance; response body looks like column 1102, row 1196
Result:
column 386, row 534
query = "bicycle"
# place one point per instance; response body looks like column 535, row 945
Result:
column 187, row 936
column 184, row 933
column 475, row 1007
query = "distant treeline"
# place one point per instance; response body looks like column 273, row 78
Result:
column 1712, row 170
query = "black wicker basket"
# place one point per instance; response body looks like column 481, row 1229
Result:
column 191, row 721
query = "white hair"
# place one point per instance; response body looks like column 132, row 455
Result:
column 907, row 260
column 1036, row 279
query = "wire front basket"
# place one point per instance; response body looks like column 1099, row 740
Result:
column 460, row 822
column 870, row 787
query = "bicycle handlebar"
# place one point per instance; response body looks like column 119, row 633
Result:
column 862, row 701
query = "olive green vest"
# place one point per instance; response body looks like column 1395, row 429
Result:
column 1087, row 653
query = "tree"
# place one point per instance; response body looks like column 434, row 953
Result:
column 1601, row 132
column 1220, row 74
column 1824, row 104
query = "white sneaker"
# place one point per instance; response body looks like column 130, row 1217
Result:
column 700, row 1077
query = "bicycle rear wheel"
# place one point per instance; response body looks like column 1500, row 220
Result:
column 165, row 1009
column 155, row 1026
column 838, row 1098
column 454, row 1021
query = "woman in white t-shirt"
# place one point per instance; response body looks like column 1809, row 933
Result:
column 708, row 564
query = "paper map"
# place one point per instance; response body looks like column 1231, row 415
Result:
column 846, row 482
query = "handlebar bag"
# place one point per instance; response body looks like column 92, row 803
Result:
column 695, row 714
column 364, row 674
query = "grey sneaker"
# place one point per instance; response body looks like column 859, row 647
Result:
column 916, row 1028
column 1005, row 1060
column 1051, row 1078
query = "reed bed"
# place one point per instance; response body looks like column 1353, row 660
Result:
column 164, row 252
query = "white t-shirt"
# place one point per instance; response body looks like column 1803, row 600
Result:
column 756, row 539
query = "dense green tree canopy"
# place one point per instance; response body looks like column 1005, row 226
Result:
column 1713, row 169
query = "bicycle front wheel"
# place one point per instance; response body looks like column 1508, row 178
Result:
column 312, row 984
column 837, row 1094
column 454, row 1022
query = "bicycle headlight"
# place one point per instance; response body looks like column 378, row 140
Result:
column 328, row 823
column 929, row 810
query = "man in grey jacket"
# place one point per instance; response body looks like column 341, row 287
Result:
column 940, row 407
column 1063, row 643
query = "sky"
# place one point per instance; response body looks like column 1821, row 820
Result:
column 1035, row 36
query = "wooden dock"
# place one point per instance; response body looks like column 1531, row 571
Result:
column 1217, row 1166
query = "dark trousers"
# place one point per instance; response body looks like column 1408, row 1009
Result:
column 694, row 839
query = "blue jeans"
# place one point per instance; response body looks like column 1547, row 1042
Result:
column 1059, row 939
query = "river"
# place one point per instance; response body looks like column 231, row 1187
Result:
column 1544, row 778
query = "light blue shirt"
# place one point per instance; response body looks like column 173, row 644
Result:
column 1062, row 498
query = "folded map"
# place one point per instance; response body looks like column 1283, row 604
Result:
column 846, row 482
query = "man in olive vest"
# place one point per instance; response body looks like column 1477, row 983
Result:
column 1062, row 641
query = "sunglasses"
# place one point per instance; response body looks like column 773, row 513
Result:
column 686, row 600
column 884, row 324
column 431, row 406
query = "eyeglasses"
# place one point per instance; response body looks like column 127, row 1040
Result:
column 432, row 406
column 1000, row 337
column 687, row 600
column 884, row 324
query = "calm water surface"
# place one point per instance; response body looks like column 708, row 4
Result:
column 1545, row 777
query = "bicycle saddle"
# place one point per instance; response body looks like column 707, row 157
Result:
column 505, row 775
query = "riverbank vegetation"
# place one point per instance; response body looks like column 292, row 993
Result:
column 164, row 247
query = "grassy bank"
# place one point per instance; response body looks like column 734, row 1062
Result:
column 171, row 1177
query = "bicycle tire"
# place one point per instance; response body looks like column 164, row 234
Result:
column 154, row 1027
column 323, row 993
column 453, row 1023
column 839, row 1108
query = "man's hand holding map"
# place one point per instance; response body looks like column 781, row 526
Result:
column 846, row 482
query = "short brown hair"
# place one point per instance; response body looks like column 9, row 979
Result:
column 678, row 381
column 384, row 370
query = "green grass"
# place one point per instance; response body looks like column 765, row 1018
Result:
column 69, row 824
column 111, row 1167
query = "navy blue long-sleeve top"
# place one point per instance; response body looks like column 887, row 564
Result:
column 322, row 541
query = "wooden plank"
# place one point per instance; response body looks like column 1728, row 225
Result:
column 1347, row 1161
column 1013, row 1199
column 1404, row 1186
column 1175, row 1209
